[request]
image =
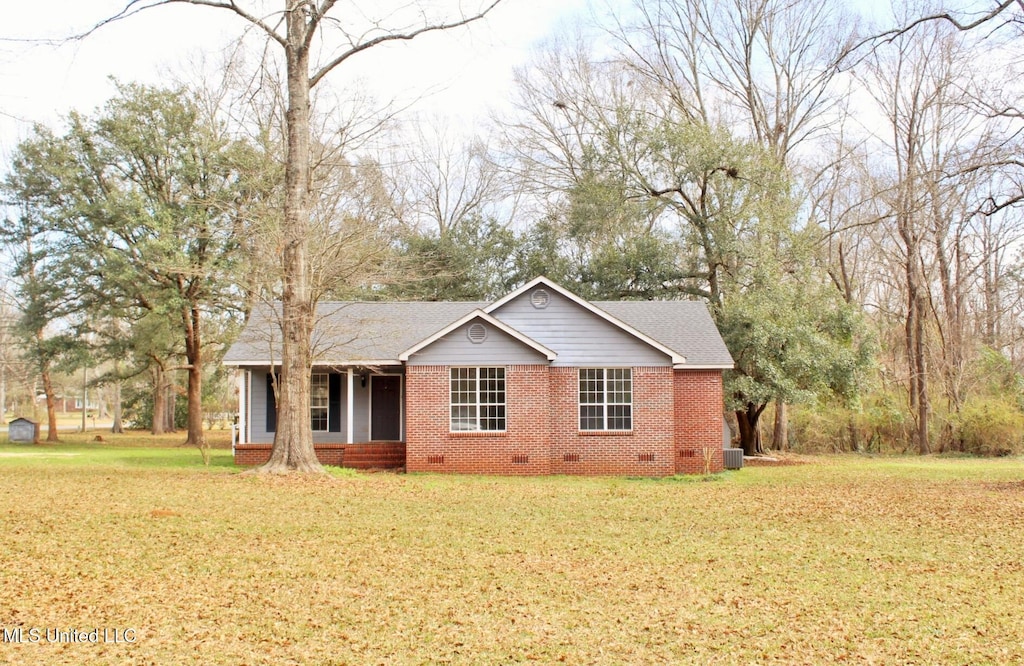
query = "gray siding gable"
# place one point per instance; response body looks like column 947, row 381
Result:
column 497, row 348
column 577, row 335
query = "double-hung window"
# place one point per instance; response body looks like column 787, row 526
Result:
column 477, row 399
column 319, row 402
column 606, row 399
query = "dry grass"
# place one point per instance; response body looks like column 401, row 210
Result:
column 844, row 559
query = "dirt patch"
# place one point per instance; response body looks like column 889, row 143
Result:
column 775, row 460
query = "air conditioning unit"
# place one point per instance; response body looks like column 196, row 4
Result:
column 732, row 458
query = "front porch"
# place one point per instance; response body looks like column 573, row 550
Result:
column 357, row 416
column 362, row 455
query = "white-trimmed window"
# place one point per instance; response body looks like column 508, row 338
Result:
column 477, row 399
column 319, row 402
column 606, row 399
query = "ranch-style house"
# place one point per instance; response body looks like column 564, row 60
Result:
column 539, row 381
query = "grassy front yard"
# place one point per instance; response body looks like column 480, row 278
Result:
column 846, row 559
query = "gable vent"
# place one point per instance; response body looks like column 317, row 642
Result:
column 540, row 299
column 477, row 333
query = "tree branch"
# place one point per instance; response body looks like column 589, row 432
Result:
column 135, row 6
column 889, row 35
column 316, row 16
column 392, row 37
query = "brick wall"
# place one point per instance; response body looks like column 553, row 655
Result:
column 522, row 449
column 698, row 420
column 646, row 451
column 542, row 434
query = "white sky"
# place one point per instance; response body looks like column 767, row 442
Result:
column 463, row 72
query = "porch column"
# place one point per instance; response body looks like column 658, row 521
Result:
column 243, row 402
column 351, row 405
column 248, row 406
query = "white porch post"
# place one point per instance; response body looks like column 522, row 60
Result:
column 243, row 402
column 248, row 406
column 351, row 405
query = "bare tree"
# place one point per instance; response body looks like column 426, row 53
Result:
column 764, row 65
column 770, row 63
column 303, row 29
column 949, row 172
column 442, row 179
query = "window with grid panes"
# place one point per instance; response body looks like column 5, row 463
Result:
column 319, row 402
column 606, row 399
column 477, row 399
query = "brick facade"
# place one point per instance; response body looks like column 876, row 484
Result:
column 698, row 408
column 677, row 426
column 522, row 449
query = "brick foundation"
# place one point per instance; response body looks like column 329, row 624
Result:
column 370, row 455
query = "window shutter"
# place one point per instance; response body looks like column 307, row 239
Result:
column 334, row 402
column 271, row 405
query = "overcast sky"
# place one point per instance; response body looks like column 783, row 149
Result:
column 462, row 72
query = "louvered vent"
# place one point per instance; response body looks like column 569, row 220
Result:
column 540, row 299
column 477, row 333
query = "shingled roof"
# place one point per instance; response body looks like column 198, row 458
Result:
column 685, row 327
column 350, row 332
column 376, row 333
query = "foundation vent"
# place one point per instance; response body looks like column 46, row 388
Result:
column 435, row 460
column 645, row 457
column 571, row 457
column 520, row 459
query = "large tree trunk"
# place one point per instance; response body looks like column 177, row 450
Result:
column 780, row 434
column 921, row 370
column 159, row 400
column 293, row 442
column 750, row 434
column 51, row 405
column 3, row 384
column 917, row 305
column 117, row 426
column 193, row 353
column 170, row 412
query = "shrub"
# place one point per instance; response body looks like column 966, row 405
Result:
column 877, row 425
column 989, row 427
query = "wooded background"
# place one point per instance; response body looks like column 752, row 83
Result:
column 844, row 194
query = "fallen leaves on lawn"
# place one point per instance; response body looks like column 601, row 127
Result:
column 850, row 561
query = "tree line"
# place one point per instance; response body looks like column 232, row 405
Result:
column 847, row 206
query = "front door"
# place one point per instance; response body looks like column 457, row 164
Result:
column 386, row 408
